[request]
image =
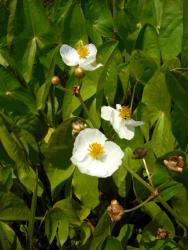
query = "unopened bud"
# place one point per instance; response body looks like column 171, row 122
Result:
column 79, row 72
column 55, row 80
column 115, row 211
column 161, row 233
column 77, row 126
column 175, row 163
column 76, row 90
column 139, row 153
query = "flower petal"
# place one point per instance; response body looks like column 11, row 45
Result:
column 106, row 112
column 133, row 123
column 84, row 139
column 114, row 157
column 90, row 67
column 126, row 132
column 69, row 55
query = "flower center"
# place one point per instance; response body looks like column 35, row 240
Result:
column 95, row 150
column 83, row 51
column 125, row 112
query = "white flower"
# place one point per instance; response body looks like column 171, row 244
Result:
column 121, row 121
column 94, row 155
column 83, row 56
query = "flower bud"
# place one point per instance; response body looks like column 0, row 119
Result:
column 161, row 233
column 76, row 90
column 55, row 80
column 79, row 72
column 77, row 126
column 139, row 153
column 115, row 211
column 175, row 163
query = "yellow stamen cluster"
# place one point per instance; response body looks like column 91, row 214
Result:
column 96, row 150
column 125, row 112
column 83, row 51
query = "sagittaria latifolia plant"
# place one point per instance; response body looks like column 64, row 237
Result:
column 93, row 124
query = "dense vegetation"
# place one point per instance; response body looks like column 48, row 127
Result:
column 45, row 201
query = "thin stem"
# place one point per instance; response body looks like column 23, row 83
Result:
column 132, row 97
column 160, row 199
column 179, row 69
column 148, row 173
column 171, row 211
column 136, row 176
column 64, row 89
column 33, row 211
column 140, row 205
column 86, row 110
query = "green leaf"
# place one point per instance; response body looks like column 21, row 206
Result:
column 142, row 67
column 18, row 155
column 159, row 219
column 73, row 211
column 170, row 33
column 8, row 238
column 59, row 147
column 184, row 53
column 119, row 178
column 101, row 232
column 63, row 231
column 125, row 233
column 150, row 44
column 12, row 208
column 57, row 176
column 163, row 140
column 5, row 179
column 180, row 204
column 89, row 197
column 113, row 244
column 74, row 25
column 36, row 33
column 98, row 20
column 52, row 219
column 156, row 97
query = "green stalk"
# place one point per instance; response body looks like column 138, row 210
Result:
column 33, row 211
column 159, row 198
column 132, row 97
column 87, row 111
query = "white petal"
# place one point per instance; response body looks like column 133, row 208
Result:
column 133, row 123
column 114, row 157
column 106, row 112
column 126, row 132
column 90, row 67
column 69, row 55
column 98, row 168
column 118, row 106
column 83, row 140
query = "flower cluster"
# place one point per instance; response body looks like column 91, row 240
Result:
column 93, row 154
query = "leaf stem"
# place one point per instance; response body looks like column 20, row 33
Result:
column 141, row 204
column 159, row 198
column 86, row 110
column 132, row 97
column 148, row 173
column 33, row 211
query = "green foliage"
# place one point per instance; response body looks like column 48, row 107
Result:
column 44, row 199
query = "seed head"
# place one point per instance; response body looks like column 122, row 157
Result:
column 115, row 211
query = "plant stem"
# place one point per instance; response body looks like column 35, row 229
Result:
column 132, row 97
column 160, row 199
column 148, row 173
column 86, row 110
column 140, row 205
column 33, row 211
column 136, row 176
